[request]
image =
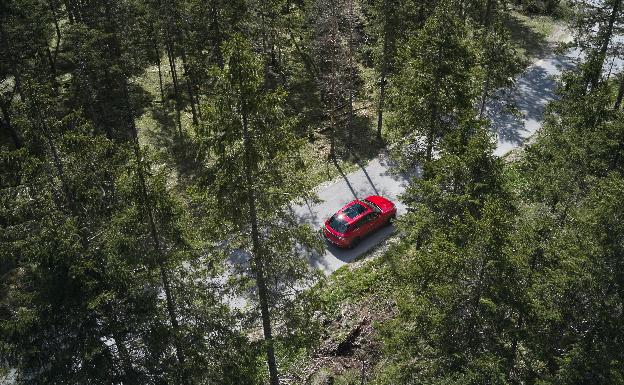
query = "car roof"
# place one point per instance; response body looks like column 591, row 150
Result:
column 352, row 203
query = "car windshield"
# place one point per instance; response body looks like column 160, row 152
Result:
column 338, row 223
column 373, row 206
column 354, row 210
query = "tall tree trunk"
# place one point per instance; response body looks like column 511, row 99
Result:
column 333, row 100
column 382, row 81
column 147, row 206
column 130, row 373
column 157, row 53
column 310, row 65
column 164, row 272
column 217, row 39
column 174, row 78
column 56, row 158
column 197, row 102
column 189, row 85
column 460, row 11
column 598, row 61
column 257, row 253
column 57, row 30
column 476, row 306
column 435, row 120
column 487, row 18
column 486, row 90
column 520, row 324
column 351, row 77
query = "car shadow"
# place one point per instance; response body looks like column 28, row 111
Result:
column 336, row 257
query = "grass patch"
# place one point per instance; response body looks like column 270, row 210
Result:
column 530, row 33
column 159, row 131
column 348, row 307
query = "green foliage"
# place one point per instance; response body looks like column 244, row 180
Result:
column 548, row 7
column 435, row 89
column 113, row 265
column 515, row 279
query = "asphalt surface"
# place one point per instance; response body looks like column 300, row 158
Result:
column 527, row 99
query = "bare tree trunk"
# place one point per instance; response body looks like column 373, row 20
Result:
column 487, row 19
column 351, row 77
column 380, row 109
column 60, row 171
column 217, row 40
column 147, row 205
column 434, row 125
column 310, row 65
column 460, row 11
column 333, row 80
column 164, row 272
column 126, row 362
column 196, row 92
column 189, row 86
column 382, row 82
column 174, row 78
column 57, row 30
column 514, row 343
column 476, row 305
column 70, row 14
column 257, row 253
column 486, row 90
column 157, row 53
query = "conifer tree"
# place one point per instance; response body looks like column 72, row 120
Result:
column 435, row 90
column 251, row 163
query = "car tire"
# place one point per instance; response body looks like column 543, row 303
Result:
column 354, row 243
column 390, row 220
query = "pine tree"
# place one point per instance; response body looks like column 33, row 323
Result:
column 435, row 90
column 599, row 45
column 252, row 176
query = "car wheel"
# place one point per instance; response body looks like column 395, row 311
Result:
column 354, row 243
column 390, row 220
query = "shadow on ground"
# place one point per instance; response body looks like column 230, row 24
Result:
column 515, row 114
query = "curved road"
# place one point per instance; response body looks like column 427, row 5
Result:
column 532, row 91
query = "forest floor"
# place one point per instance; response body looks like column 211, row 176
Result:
column 168, row 142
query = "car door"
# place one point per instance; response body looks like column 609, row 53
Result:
column 367, row 223
column 376, row 221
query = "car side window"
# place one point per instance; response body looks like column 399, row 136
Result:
column 367, row 218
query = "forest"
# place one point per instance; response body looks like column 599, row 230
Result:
column 152, row 151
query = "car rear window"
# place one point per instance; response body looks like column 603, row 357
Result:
column 373, row 206
column 338, row 223
column 354, row 210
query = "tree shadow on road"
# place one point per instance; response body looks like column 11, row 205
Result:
column 529, row 97
column 344, row 176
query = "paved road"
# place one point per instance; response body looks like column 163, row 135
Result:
column 374, row 178
column 530, row 95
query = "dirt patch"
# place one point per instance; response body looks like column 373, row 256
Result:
column 351, row 343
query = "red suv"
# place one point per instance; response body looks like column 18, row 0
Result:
column 358, row 219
